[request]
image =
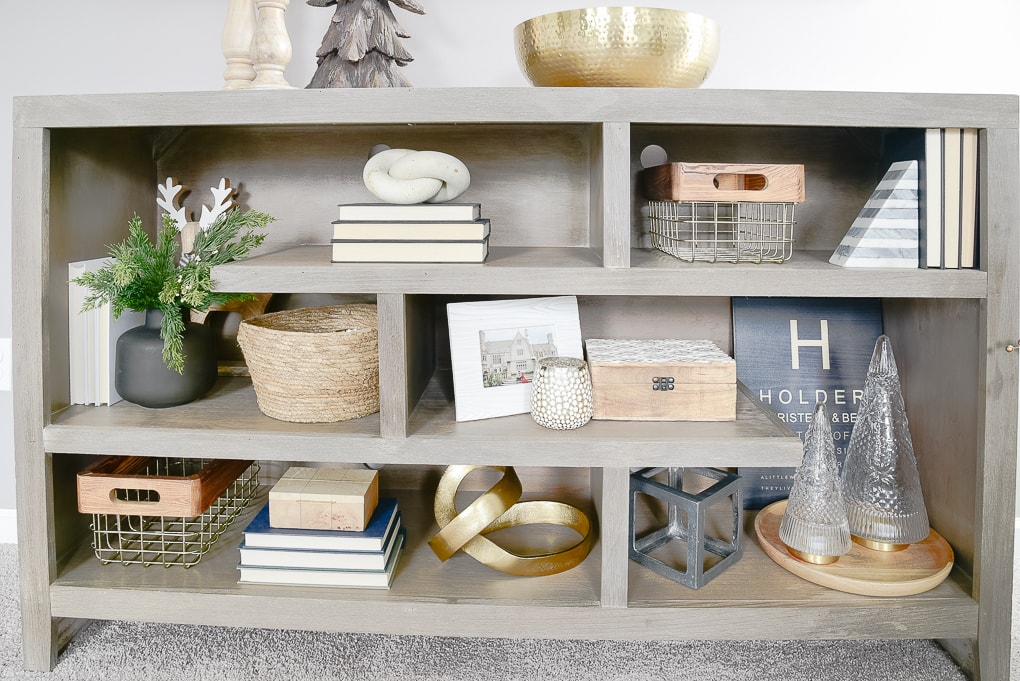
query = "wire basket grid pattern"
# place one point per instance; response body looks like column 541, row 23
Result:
column 722, row 231
column 166, row 540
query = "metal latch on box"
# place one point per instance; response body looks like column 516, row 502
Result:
column 662, row 382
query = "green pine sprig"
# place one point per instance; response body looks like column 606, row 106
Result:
column 146, row 274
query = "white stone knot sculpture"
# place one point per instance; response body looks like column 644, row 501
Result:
column 408, row 176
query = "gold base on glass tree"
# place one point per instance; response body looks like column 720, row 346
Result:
column 878, row 545
column 922, row 566
column 812, row 558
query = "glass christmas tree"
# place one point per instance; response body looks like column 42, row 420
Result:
column 885, row 506
column 814, row 525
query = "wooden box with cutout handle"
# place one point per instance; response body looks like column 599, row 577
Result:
column 120, row 484
column 765, row 182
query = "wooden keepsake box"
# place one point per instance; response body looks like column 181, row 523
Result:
column 724, row 182
column 324, row 498
column 661, row 380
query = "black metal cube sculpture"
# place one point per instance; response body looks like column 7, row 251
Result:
column 686, row 521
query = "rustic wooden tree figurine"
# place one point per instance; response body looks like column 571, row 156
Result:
column 362, row 44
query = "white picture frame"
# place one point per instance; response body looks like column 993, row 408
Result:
column 489, row 345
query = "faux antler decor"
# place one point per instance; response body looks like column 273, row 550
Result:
column 150, row 275
column 171, row 193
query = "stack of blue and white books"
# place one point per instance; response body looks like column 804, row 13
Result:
column 366, row 559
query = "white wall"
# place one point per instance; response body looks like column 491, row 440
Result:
column 68, row 46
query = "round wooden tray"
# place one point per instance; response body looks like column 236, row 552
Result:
column 919, row 567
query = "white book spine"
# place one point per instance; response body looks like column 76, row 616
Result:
column 75, row 335
column 933, row 197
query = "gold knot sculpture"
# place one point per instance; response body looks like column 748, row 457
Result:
column 499, row 508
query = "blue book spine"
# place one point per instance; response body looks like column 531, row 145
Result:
column 260, row 534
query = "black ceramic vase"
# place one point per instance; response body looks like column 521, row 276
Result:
column 143, row 378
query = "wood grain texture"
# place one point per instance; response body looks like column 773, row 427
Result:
column 551, row 105
column 681, row 181
column 558, row 271
column 609, row 191
column 394, row 402
column 80, row 227
column 744, row 582
column 421, row 346
column 555, row 172
column 938, row 363
column 434, row 435
column 504, row 162
column 611, row 493
column 176, row 495
column 458, row 596
column 918, row 568
column 341, row 610
column 997, row 424
column 664, row 380
column 33, row 473
column 687, row 402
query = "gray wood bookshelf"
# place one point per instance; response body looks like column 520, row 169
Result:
column 555, row 171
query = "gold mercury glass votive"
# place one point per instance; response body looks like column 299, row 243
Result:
column 561, row 394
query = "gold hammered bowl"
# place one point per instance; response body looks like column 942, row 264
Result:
column 617, row 47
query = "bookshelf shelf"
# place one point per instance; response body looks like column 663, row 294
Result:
column 426, row 590
column 555, row 170
column 229, row 422
column 544, row 271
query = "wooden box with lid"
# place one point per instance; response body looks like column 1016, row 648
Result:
column 661, row 380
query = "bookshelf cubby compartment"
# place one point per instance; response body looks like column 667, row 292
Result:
column 556, row 172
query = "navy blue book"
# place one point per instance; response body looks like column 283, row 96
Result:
column 319, row 559
column 372, row 538
column 793, row 352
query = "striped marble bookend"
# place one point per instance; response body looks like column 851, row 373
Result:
column 886, row 231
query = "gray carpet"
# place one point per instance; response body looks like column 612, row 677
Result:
column 154, row 652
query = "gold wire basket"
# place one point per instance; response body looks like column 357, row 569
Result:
column 721, row 231
column 166, row 540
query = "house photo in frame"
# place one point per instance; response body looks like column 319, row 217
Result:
column 494, row 346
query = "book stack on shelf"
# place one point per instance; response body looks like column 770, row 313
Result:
column 922, row 213
column 342, row 558
column 424, row 232
column 948, row 206
column 324, row 527
column 92, row 340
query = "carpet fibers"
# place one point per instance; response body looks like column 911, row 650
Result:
column 156, row 652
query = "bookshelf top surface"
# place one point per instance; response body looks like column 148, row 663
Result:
column 525, row 105
column 560, row 271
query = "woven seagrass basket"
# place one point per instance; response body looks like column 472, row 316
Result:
column 314, row 364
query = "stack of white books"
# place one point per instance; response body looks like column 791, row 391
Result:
column 341, row 558
column 423, row 232
column 92, row 340
column 949, row 199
